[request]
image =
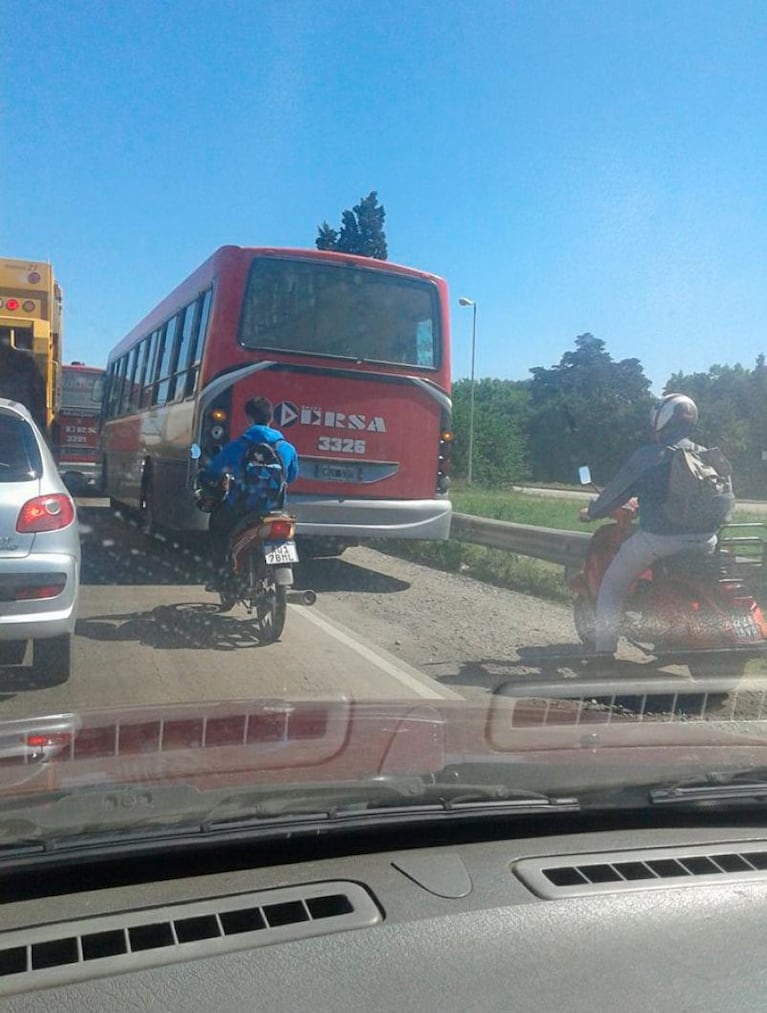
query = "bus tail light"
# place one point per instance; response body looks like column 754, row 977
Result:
column 216, row 428
column 445, row 453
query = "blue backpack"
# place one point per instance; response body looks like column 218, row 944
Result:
column 262, row 477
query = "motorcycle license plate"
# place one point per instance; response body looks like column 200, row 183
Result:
column 746, row 628
column 280, row 552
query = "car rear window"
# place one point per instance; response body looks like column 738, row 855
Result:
column 20, row 459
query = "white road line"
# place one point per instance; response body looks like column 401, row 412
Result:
column 393, row 667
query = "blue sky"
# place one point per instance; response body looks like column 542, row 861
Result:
column 573, row 166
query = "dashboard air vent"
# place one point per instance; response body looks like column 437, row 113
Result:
column 107, row 944
column 651, row 868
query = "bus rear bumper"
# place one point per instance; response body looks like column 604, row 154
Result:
column 359, row 518
column 81, row 477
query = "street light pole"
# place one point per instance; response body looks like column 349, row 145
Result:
column 463, row 301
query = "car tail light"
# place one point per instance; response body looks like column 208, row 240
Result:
column 45, row 513
column 49, row 740
column 38, row 591
column 277, row 529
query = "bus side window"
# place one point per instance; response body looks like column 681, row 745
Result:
column 149, row 372
column 188, row 318
column 118, row 385
column 198, row 343
column 109, row 407
column 164, row 360
column 127, row 386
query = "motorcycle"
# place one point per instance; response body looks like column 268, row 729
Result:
column 260, row 557
column 690, row 608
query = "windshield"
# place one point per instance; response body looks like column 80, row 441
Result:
column 432, row 469
column 339, row 311
column 19, row 454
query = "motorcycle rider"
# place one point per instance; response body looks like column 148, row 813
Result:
column 646, row 476
column 229, row 460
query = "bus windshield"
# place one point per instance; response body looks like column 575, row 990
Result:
column 341, row 311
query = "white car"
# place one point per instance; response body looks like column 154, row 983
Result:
column 39, row 549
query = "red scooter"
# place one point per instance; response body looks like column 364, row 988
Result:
column 690, row 608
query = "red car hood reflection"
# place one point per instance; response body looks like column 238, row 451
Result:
column 308, row 741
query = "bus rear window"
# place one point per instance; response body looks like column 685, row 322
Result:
column 351, row 313
column 20, row 459
column 81, row 389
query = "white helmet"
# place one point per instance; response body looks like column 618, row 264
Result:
column 676, row 408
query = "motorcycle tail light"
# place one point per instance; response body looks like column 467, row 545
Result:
column 278, row 529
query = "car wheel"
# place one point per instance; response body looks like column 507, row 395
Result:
column 12, row 652
column 53, row 656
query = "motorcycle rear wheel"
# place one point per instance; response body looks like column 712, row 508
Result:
column 585, row 618
column 268, row 598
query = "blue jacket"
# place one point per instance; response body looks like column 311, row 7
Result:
column 229, row 458
column 645, row 475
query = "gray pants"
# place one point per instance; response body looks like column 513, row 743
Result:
column 635, row 555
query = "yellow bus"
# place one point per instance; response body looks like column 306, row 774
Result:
column 30, row 323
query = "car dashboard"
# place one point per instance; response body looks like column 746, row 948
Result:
column 615, row 915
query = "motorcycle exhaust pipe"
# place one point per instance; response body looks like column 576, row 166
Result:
column 302, row 597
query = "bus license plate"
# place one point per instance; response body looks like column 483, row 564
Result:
column 280, row 552
column 337, row 472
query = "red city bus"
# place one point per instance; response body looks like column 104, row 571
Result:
column 75, row 431
column 353, row 352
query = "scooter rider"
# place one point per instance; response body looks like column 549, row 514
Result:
column 646, row 476
column 229, row 460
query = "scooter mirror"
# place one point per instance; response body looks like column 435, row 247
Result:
column 194, row 452
column 584, row 474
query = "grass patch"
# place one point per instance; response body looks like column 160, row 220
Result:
column 519, row 507
column 492, row 566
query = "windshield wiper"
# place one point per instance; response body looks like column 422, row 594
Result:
column 184, row 807
column 720, row 786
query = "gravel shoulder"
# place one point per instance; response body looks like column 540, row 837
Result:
column 468, row 635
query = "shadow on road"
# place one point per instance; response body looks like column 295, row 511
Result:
column 15, row 679
column 340, row 575
column 115, row 551
column 175, row 627
column 559, row 663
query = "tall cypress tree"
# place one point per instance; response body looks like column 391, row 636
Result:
column 361, row 232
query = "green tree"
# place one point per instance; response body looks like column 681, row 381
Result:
column 588, row 409
column 361, row 232
column 731, row 401
column 500, row 413
column 327, row 238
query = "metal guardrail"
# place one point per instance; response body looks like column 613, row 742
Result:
column 567, row 548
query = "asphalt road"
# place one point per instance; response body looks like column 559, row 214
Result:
column 148, row 633
column 383, row 628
